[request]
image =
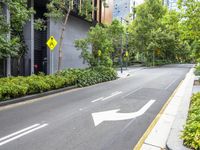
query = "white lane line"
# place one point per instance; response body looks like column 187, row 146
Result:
column 18, row 132
column 115, row 92
column 23, row 134
column 132, row 92
column 97, row 100
column 171, row 83
column 112, row 95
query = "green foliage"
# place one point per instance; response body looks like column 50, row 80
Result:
column 196, row 50
column 190, row 13
column 9, row 48
column 86, row 9
column 191, row 133
column 158, row 35
column 14, row 87
column 107, row 39
column 39, row 24
column 145, row 27
column 20, row 14
column 4, row 27
column 96, row 75
column 57, row 9
column 83, row 45
column 197, row 70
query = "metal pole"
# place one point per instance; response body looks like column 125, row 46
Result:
column 8, row 60
column 52, row 62
column 153, row 58
column 32, row 39
column 121, row 61
column 126, row 49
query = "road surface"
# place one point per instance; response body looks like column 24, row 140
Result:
column 108, row 116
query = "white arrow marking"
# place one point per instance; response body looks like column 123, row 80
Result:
column 112, row 115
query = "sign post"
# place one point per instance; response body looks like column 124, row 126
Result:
column 51, row 43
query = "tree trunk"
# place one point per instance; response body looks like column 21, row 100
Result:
column 61, row 38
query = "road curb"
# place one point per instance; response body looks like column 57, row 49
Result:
column 173, row 141
column 140, row 143
column 155, row 137
column 34, row 96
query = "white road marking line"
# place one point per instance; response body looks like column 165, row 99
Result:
column 23, row 134
column 112, row 95
column 115, row 92
column 171, row 83
column 97, row 100
column 132, row 92
column 18, row 132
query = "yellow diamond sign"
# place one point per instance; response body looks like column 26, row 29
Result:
column 126, row 54
column 99, row 53
column 51, row 43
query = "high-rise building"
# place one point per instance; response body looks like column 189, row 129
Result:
column 171, row 4
column 124, row 8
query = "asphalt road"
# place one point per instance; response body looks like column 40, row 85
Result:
column 107, row 116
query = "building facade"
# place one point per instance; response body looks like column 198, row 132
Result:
column 124, row 8
column 38, row 57
column 171, row 4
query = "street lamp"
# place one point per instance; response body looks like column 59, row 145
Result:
column 126, row 48
column 121, row 55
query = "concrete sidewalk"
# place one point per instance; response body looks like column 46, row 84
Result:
column 157, row 134
column 127, row 72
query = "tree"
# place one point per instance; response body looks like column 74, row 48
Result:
column 20, row 13
column 115, row 32
column 106, row 39
column 190, row 13
column 148, row 20
column 99, row 39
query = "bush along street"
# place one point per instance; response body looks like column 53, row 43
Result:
column 13, row 87
column 191, row 133
column 197, row 70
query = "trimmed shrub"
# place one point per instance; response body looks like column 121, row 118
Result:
column 96, row 75
column 191, row 133
column 13, row 87
column 197, row 70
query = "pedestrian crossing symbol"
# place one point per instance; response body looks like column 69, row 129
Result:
column 99, row 53
column 126, row 54
column 51, row 43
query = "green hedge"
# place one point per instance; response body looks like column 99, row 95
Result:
column 14, row 87
column 197, row 70
column 96, row 75
column 191, row 133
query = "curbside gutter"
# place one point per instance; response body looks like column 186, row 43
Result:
column 34, row 96
column 174, row 142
